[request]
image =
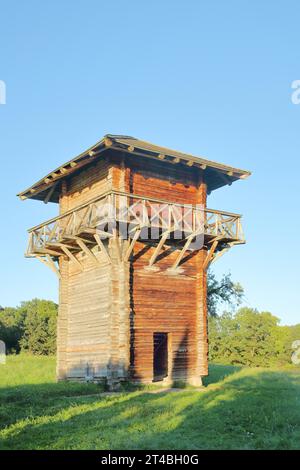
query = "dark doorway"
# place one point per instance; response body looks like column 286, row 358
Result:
column 160, row 356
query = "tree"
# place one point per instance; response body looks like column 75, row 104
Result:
column 256, row 339
column 11, row 328
column 223, row 291
column 249, row 338
column 39, row 335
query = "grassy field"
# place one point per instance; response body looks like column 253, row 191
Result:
column 239, row 408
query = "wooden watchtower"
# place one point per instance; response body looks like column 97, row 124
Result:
column 131, row 247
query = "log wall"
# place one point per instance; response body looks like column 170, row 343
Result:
column 86, row 184
column 162, row 302
column 108, row 312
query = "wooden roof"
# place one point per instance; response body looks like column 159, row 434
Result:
column 216, row 174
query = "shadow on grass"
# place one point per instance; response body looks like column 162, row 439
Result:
column 218, row 372
column 31, row 400
column 255, row 409
column 48, row 391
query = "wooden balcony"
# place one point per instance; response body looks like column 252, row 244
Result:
column 132, row 217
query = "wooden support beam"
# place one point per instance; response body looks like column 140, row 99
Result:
column 59, row 244
column 218, row 237
column 182, row 252
column 209, row 256
column 50, row 264
column 30, row 248
column 224, row 250
column 159, row 247
column 117, row 245
column 50, row 193
column 53, row 266
column 107, row 142
column 75, row 237
column 71, row 256
column 226, row 179
column 102, row 247
column 46, row 251
column 131, row 246
column 101, row 233
column 219, row 254
column 86, row 250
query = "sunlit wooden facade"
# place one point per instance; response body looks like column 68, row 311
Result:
column 131, row 246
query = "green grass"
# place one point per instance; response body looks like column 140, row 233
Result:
column 239, row 408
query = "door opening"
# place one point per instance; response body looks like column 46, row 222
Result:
column 160, row 356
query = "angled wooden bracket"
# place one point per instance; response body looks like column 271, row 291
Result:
column 225, row 178
column 224, row 250
column 131, row 246
column 50, row 263
column 50, row 192
column 159, row 247
column 80, row 242
column 71, row 256
column 210, row 254
column 182, row 252
column 102, row 247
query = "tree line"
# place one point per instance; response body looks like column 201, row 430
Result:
column 252, row 338
column 242, row 336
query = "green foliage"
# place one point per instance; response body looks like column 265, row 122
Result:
column 39, row 335
column 30, row 327
column 249, row 338
column 295, row 332
column 223, row 291
column 11, row 328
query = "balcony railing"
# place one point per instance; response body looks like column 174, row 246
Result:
column 125, row 214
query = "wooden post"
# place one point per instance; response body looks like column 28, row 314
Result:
column 62, row 321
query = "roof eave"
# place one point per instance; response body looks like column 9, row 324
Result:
column 64, row 170
column 227, row 173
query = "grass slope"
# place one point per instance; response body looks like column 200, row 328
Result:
column 238, row 409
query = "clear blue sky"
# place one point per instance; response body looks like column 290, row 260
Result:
column 210, row 78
